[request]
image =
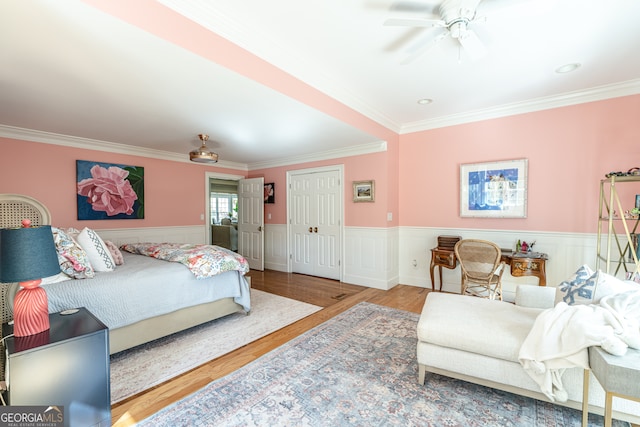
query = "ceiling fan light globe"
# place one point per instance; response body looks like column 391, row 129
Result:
column 203, row 155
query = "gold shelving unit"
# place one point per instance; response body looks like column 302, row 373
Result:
column 620, row 250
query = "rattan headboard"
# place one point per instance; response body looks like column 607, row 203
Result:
column 15, row 207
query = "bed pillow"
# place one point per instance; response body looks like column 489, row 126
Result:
column 115, row 252
column 72, row 258
column 98, row 253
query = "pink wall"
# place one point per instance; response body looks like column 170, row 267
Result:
column 569, row 150
column 174, row 191
column 356, row 168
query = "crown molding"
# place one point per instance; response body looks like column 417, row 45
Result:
column 631, row 87
column 357, row 150
column 111, row 147
column 98, row 145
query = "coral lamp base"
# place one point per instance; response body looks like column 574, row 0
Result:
column 30, row 309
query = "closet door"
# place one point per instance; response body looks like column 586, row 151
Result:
column 315, row 223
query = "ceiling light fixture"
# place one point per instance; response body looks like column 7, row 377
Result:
column 425, row 101
column 203, row 154
column 567, row 68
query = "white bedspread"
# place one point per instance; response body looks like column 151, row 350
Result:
column 560, row 337
column 144, row 287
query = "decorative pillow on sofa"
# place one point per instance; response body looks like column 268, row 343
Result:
column 592, row 289
column 115, row 252
column 97, row 251
column 72, row 258
column 573, row 290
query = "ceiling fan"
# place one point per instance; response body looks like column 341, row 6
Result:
column 455, row 19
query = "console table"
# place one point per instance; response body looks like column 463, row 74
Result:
column 527, row 264
column 618, row 375
column 521, row 264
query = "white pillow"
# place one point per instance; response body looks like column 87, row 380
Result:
column 96, row 250
column 592, row 289
column 572, row 290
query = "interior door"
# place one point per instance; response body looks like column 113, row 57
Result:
column 251, row 221
column 315, row 223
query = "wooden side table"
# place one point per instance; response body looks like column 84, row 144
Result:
column 441, row 258
column 618, row 375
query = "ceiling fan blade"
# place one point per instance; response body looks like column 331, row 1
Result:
column 472, row 45
column 415, row 7
column 422, row 46
column 415, row 22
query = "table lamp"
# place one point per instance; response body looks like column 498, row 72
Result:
column 27, row 255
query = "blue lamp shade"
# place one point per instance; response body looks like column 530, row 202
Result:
column 27, row 254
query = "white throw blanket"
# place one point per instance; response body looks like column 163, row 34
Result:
column 561, row 336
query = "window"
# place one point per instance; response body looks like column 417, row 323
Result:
column 224, row 205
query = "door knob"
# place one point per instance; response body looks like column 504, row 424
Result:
column 259, row 228
column 310, row 230
column 315, row 229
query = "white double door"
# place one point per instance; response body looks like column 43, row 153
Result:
column 315, row 222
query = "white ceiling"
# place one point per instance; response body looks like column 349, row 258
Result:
column 67, row 68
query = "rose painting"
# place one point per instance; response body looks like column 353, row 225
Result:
column 109, row 191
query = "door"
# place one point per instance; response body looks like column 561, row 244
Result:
column 251, row 221
column 315, row 223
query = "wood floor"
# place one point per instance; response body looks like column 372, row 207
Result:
column 334, row 296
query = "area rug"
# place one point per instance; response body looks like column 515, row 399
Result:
column 358, row 368
column 137, row 369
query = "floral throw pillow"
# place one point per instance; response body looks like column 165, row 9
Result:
column 115, row 252
column 72, row 258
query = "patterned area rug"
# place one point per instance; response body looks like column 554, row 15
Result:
column 358, row 368
column 137, row 369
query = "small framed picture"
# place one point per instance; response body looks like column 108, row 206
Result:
column 638, row 201
column 270, row 192
column 363, row 191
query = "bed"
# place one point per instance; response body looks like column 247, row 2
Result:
column 136, row 305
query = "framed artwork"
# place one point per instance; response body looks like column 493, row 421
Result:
column 494, row 189
column 109, row 191
column 638, row 201
column 363, row 191
column 270, row 192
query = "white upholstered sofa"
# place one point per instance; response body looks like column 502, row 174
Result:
column 478, row 340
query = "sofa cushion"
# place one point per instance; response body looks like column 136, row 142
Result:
column 488, row 327
column 572, row 290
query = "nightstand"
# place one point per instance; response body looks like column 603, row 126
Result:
column 65, row 366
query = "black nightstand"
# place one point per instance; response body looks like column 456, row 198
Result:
column 68, row 365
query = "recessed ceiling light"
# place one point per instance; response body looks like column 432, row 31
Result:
column 568, row 68
column 425, row 101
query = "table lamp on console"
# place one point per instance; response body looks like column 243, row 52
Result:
column 28, row 254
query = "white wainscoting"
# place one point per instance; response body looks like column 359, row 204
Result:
column 371, row 257
column 182, row 234
column 275, row 247
column 383, row 257
column 566, row 251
